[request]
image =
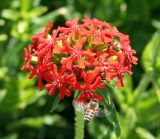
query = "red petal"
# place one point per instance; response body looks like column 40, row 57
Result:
column 72, row 23
column 76, row 86
column 120, row 82
column 67, row 92
column 48, row 27
column 98, row 83
column 92, row 74
column 62, row 92
column 53, row 88
column 71, row 79
column 40, row 84
column 62, row 70
column 33, row 72
column 79, row 44
column 81, row 63
column 86, row 79
column 67, row 45
column 107, row 75
column 55, row 71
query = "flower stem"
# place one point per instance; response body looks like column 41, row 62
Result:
column 141, row 87
column 79, row 125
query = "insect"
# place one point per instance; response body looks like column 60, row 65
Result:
column 91, row 109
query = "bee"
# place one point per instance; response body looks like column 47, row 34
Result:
column 91, row 109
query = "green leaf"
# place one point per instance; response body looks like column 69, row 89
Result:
column 29, row 96
column 98, row 130
column 10, row 136
column 148, row 108
column 156, row 83
column 10, row 14
column 43, row 20
column 2, row 22
column 156, row 24
column 2, row 94
column 151, row 54
column 36, row 3
column 130, row 120
column 38, row 122
column 112, row 117
column 36, row 12
column 144, row 134
column 3, row 72
column 25, row 5
column 55, row 101
column 125, row 94
column 158, row 137
column 3, row 37
column 22, row 26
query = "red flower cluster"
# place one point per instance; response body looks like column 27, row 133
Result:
column 79, row 57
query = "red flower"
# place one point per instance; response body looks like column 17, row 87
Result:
column 77, row 72
column 27, row 58
column 60, row 80
column 41, row 37
column 74, row 29
column 41, row 71
column 128, row 51
column 76, row 54
column 125, row 46
column 46, row 46
column 117, row 69
column 91, row 82
column 101, row 62
column 73, row 26
column 98, row 31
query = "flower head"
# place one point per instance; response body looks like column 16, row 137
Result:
column 79, row 57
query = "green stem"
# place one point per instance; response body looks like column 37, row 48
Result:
column 141, row 87
column 79, row 125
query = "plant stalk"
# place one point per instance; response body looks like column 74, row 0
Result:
column 79, row 125
column 141, row 87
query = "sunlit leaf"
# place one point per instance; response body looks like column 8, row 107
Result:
column 2, row 22
column 2, row 94
column 151, row 54
column 144, row 134
column 50, row 16
column 36, row 12
column 3, row 37
column 22, row 26
column 10, row 14
column 3, row 72
column 38, row 122
column 156, row 24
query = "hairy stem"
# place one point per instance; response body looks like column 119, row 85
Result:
column 79, row 125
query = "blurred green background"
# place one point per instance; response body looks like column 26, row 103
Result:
column 25, row 110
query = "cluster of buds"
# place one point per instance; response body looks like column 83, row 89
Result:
column 79, row 57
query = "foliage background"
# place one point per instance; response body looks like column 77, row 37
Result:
column 25, row 110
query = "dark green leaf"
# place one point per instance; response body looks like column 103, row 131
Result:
column 112, row 117
column 55, row 101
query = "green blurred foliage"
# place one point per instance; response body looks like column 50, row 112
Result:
column 25, row 110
